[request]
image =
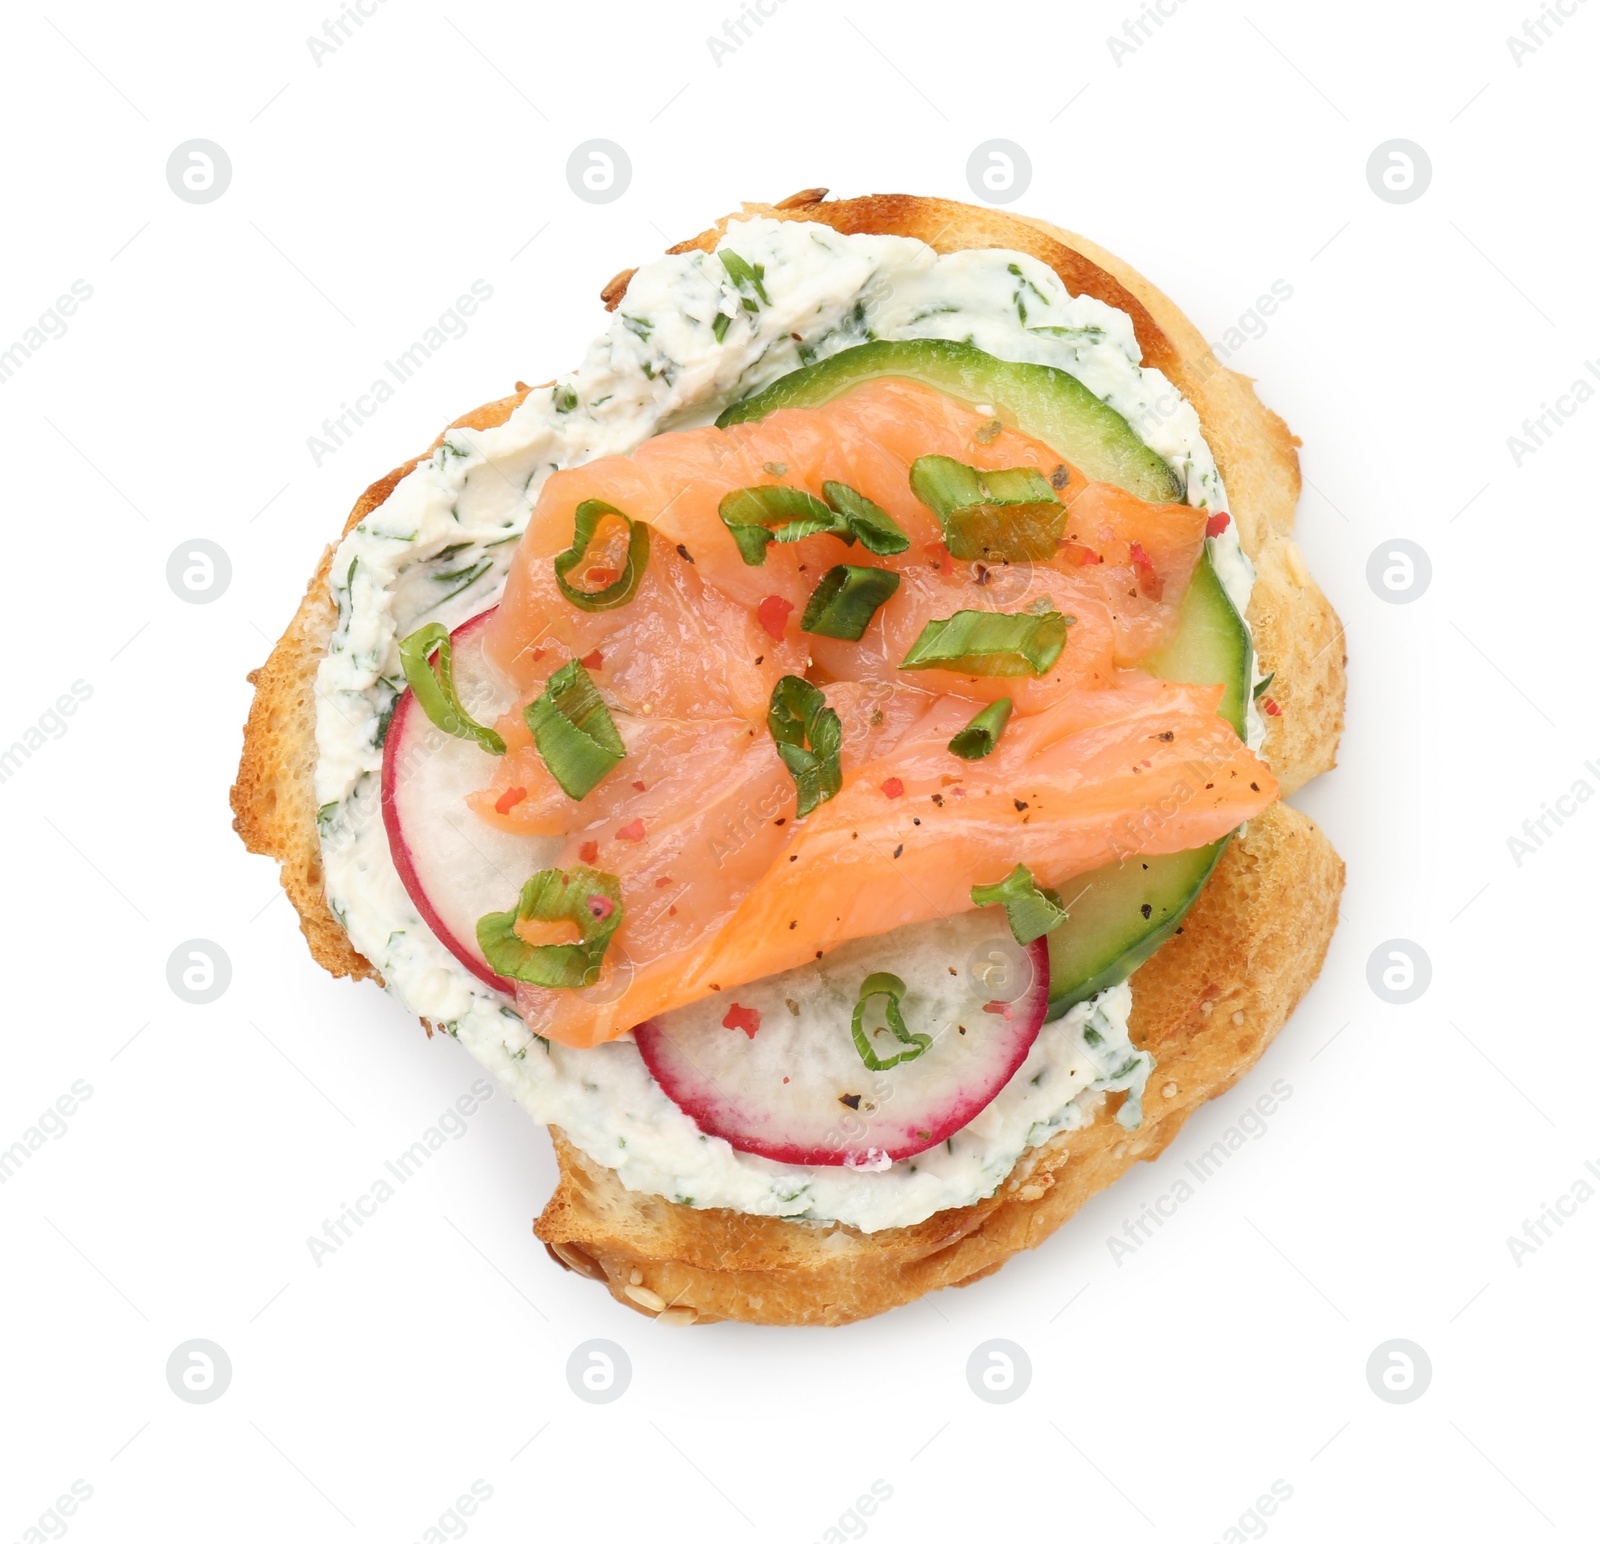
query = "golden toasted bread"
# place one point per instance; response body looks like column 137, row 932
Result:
column 1207, row 1003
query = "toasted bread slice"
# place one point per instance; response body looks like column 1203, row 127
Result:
column 1207, row 1004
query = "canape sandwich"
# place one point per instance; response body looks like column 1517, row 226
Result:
column 825, row 754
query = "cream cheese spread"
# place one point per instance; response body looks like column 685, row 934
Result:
column 680, row 347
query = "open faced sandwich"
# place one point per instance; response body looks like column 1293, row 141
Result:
column 825, row 755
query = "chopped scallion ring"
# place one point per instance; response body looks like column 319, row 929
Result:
column 436, row 692
column 991, row 643
column 808, row 736
column 586, row 520
column 584, row 898
column 891, row 988
column 874, row 528
column 845, row 601
column 573, row 731
column 1031, row 910
column 1009, row 515
column 981, row 736
column 775, row 512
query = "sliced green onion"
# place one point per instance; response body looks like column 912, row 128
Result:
column 1261, row 686
column 808, row 736
column 586, row 520
column 719, row 325
column 436, row 693
column 1031, row 910
column 573, row 731
column 589, row 899
column 774, row 512
column 1009, row 515
column 892, row 988
column 983, row 733
column 874, row 528
column 745, row 277
column 846, row 600
column 991, row 643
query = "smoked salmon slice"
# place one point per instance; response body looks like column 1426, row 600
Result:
column 722, row 883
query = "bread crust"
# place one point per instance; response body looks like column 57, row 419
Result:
column 1207, row 1004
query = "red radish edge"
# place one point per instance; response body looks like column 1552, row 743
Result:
column 701, row 1107
column 400, row 851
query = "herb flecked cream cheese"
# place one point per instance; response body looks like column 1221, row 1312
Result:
column 679, row 349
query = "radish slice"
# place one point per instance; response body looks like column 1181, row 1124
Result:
column 455, row 866
column 773, row 1069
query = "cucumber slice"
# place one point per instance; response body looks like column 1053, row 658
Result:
column 1120, row 915
column 1043, row 402
column 1211, row 644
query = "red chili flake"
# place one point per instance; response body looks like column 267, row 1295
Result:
column 672, row 911
column 592, row 661
column 538, row 654
column 664, row 881
column 1150, row 582
column 639, row 786
column 772, row 613
column 892, row 788
column 1003, row 1009
column 1218, row 523
column 601, row 907
column 589, row 852
column 632, row 832
column 1270, row 708
column 502, row 805
column 747, row 1019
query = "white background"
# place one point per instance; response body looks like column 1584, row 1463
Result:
column 1170, row 1390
